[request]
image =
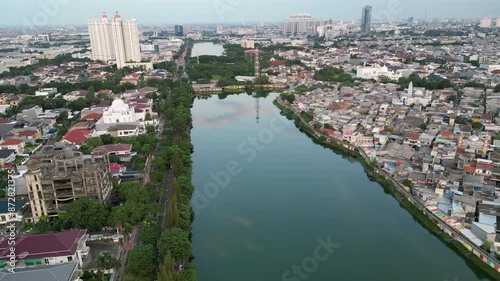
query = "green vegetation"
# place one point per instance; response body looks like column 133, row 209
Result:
column 290, row 98
column 222, row 68
column 333, row 74
column 438, row 33
column 430, row 84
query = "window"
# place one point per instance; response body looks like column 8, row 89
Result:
column 70, row 258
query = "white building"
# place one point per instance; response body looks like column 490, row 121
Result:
column 485, row 22
column 372, row 72
column 416, row 97
column 119, row 112
column 302, row 24
column 101, row 39
column 115, row 40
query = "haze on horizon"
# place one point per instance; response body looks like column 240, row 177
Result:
column 24, row 12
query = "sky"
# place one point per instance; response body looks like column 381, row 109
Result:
column 56, row 12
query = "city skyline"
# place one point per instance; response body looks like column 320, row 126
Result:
column 77, row 12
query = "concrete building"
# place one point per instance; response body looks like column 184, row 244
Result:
column 302, row 24
column 485, row 22
column 117, row 39
column 248, row 44
column 366, row 19
column 179, row 30
column 101, row 39
column 57, row 178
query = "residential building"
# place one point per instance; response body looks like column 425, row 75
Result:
column 485, row 22
column 13, row 144
column 123, row 151
column 302, row 24
column 12, row 211
column 46, row 249
column 101, row 39
column 115, row 39
column 248, row 44
column 57, row 178
column 366, row 19
column 7, row 156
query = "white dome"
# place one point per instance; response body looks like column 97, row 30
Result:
column 419, row 93
column 474, row 138
column 117, row 103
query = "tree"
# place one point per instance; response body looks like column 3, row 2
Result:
column 497, row 88
column 173, row 218
column 176, row 242
column 141, row 261
column 177, row 166
column 106, row 139
column 189, row 273
column 423, row 126
column 407, row 182
column 150, row 232
column 106, row 262
column 114, row 159
column 167, row 269
column 86, row 213
column 133, row 192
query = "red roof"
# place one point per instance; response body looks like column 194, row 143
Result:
column 26, row 133
column 44, row 245
column 484, row 166
column 76, row 136
column 469, row 169
column 336, row 106
column 92, row 116
column 114, row 167
column 11, row 142
column 412, row 136
column 446, row 134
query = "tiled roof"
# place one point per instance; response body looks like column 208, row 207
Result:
column 76, row 136
column 44, row 245
column 11, row 142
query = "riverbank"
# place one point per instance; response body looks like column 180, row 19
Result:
column 452, row 238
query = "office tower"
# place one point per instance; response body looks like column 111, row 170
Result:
column 498, row 22
column 115, row 40
column 366, row 20
column 485, row 22
column 101, row 39
column 57, row 178
column 302, row 24
column 410, row 20
column 179, row 30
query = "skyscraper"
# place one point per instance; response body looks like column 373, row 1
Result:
column 115, row 40
column 366, row 20
column 179, row 30
column 101, row 39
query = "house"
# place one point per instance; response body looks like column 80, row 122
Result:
column 76, row 137
column 14, row 144
column 60, row 272
column 47, row 249
column 92, row 116
column 7, row 156
column 117, row 169
column 124, row 151
column 12, row 211
column 123, row 130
